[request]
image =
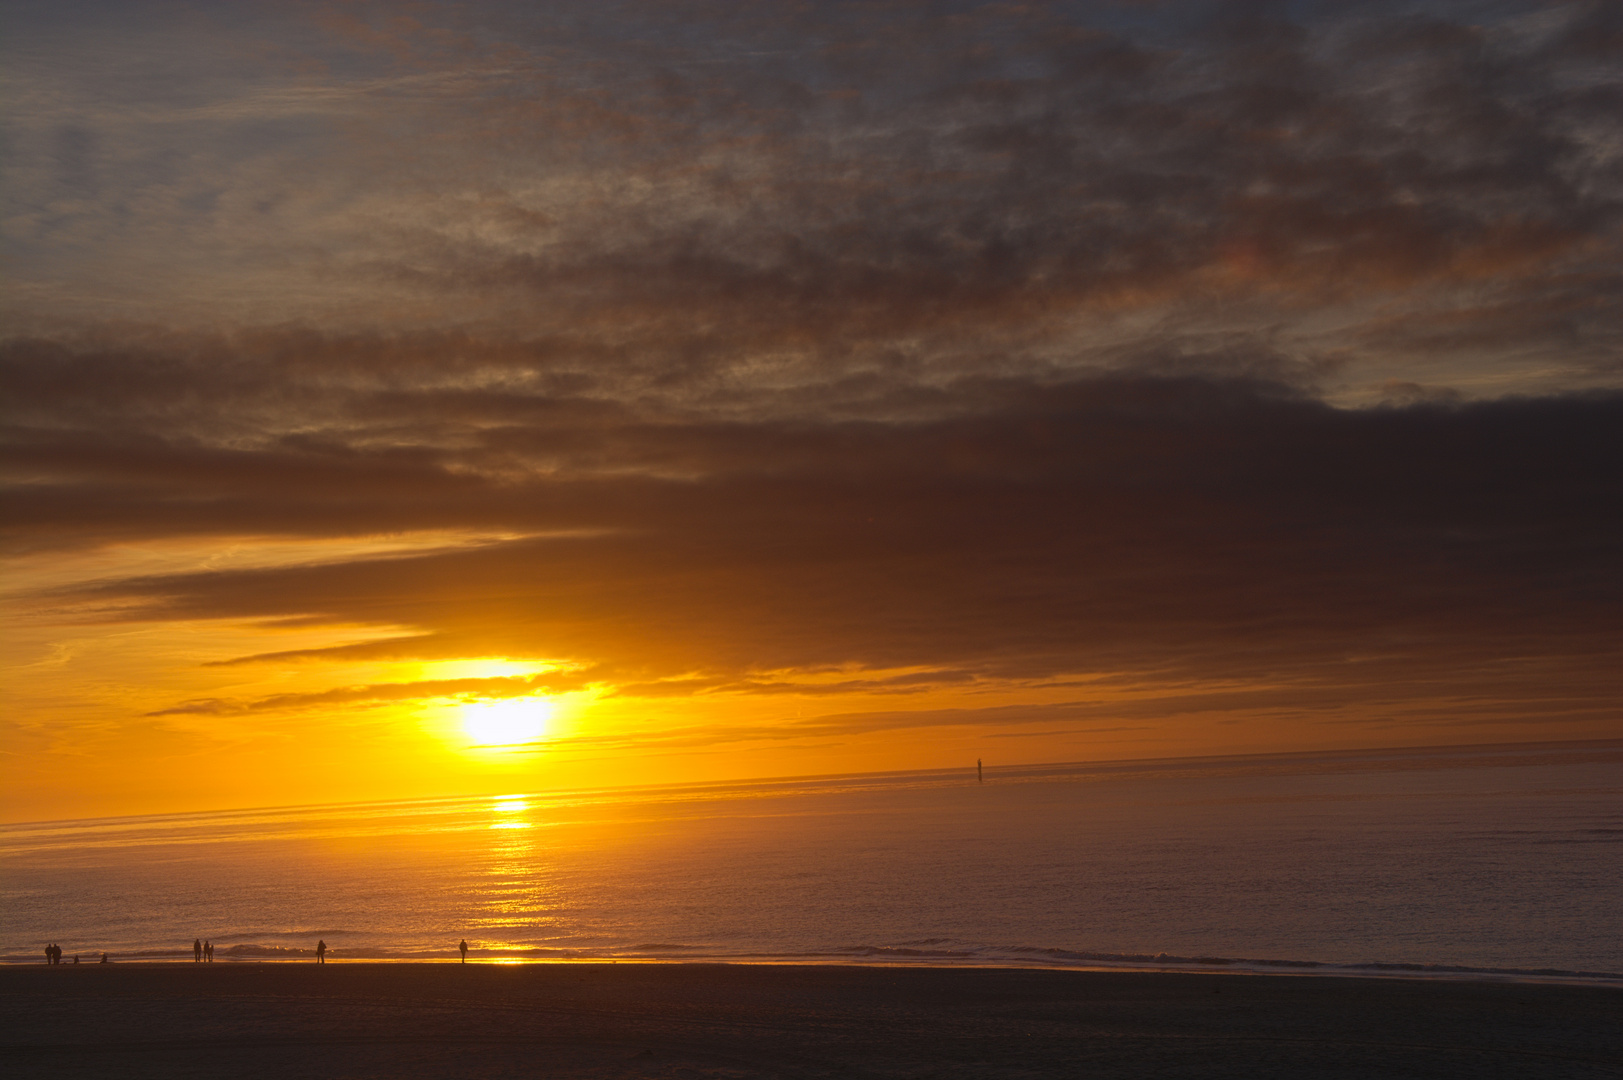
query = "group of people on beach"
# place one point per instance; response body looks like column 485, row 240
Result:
column 203, row 952
column 53, row 955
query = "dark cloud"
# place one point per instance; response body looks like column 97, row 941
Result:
column 682, row 201
column 1164, row 529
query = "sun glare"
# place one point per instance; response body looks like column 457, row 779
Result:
column 506, row 723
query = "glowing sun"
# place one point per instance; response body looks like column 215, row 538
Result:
column 504, row 723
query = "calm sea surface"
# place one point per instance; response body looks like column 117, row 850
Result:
column 1488, row 858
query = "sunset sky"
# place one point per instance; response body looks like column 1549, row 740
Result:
column 420, row 399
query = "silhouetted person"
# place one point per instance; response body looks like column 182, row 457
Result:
column 980, row 777
column 464, row 948
column 197, row 950
column 50, row 954
column 321, row 952
column 208, row 952
column 104, row 958
column 75, row 958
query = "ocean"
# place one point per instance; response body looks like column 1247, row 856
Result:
column 1501, row 861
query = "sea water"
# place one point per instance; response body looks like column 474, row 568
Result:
column 1472, row 860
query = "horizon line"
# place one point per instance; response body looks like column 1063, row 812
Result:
column 698, row 785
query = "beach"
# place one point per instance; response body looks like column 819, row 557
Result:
column 634, row 1020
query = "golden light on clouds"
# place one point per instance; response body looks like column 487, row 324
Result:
column 479, row 668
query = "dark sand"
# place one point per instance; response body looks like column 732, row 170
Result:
column 706, row 1020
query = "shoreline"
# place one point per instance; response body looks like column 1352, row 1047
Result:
column 635, row 1020
column 1256, row 968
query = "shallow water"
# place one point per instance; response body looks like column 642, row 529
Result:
column 1487, row 858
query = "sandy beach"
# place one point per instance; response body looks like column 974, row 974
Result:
column 711, row 1020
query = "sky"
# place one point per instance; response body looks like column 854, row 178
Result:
column 420, row 399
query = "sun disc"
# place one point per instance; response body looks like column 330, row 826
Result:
column 506, row 723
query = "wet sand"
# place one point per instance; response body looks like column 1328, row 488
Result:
column 709, row 1020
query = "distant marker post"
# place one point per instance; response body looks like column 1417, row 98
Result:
column 980, row 777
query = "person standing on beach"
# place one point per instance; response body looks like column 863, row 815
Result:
column 50, row 955
column 464, row 948
column 104, row 958
column 197, row 950
column 208, row 952
column 321, row 952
